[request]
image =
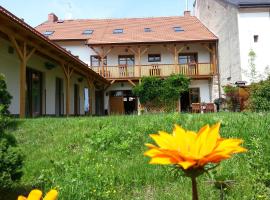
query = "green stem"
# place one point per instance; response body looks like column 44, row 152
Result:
column 194, row 189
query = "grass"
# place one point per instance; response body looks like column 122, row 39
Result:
column 102, row 158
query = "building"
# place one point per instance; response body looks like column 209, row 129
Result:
column 242, row 26
column 42, row 77
column 125, row 50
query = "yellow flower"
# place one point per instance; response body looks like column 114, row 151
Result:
column 191, row 150
column 37, row 195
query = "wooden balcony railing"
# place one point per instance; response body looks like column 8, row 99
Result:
column 160, row 70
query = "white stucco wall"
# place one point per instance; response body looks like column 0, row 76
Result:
column 254, row 22
column 9, row 66
column 221, row 18
column 84, row 52
column 78, row 48
column 204, row 86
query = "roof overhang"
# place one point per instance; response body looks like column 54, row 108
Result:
column 254, row 5
column 151, row 43
column 10, row 24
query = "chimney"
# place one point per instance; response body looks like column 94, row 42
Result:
column 52, row 17
column 187, row 13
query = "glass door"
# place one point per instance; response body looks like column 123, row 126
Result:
column 33, row 93
column 126, row 65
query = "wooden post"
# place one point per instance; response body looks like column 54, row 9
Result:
column 91, row 94
column 68, row 72
column 175, row 59
column 139, row 61
column 214, row 62
column 24, row 56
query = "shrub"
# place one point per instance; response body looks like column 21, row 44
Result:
column 5, row 97
column 157, row 92
column 260, row 96
column 11, row 158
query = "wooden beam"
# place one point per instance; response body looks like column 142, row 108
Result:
column 30, row 54
column 16, row 46
column 91, row 97
column 131, row 82
column 14, row 37
column 68, row 71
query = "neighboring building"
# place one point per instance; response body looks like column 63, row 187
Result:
column 241, row 26
column 42, row 77
column 125, row 50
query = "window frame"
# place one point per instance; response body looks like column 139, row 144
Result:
column 147, row 30
column 195, row 54
column 48, row 33
column 126, row 57
column 154, row 56
column 118, row 31
column 98, row 60
column 88, row 32
column 198, row 92
column 178, row 29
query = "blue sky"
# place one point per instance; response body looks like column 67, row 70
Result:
column 35, row 12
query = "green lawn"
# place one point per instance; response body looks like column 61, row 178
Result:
column 102, row 158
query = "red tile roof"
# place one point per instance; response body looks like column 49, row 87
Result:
column 162, row 30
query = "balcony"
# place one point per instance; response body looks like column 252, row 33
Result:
column 194, row 70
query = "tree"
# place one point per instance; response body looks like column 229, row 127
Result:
column 253, row 74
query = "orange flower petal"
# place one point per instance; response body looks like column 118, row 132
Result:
column 35, row 195
column 163, row 160
column 52, row 195
column 187, row 164
column 21, row 198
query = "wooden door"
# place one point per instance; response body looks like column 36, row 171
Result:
column 116, row 105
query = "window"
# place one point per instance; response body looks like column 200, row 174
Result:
column 96, row 61
column 187, row 58
column 48, row 33
column 194, row 95
column 88, row 32
column 256, row 38
column 127, row 60
column 147, row 30
column 118, row 31
column 178, row 29
column 154, row 58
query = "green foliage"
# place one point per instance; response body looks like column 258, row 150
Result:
column 260, row 96
column 102, row 158
column 10, row 156
column 5, row 97
column 232, row 97
column 11, row 162
column 157, row 91
column 149, row 89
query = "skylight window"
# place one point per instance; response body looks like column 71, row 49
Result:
column 118, row 31
column 88, row 32
column 178, row 29
column 147, row 30
column 48, row 33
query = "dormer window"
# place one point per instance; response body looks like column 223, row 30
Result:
column 88, row 32
column 256, row 38
column 48, row 33
column 147, row 30
column 178, row 29
column 118, row 31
